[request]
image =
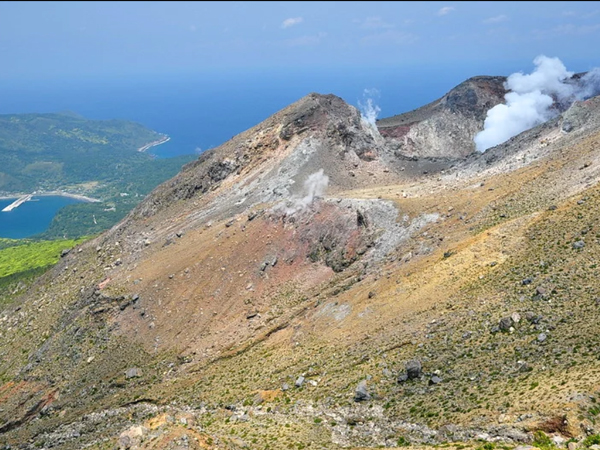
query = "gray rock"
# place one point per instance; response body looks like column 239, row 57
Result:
column 124, row 442
column 542, row 337
column 299, row 381
column 505, row 323
column 567, row 126
column 285, row 387
column 414, row 369
column 133, row 372
column 362, row 394
column 524, row 367
column 65, row 252
column 402, row 377
column 434, row 380
column 578, row 245
column 526, row 281
column 532, row 317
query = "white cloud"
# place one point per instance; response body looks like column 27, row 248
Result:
column 291, row 22
column 373, row 23
column 393, row 37
column 496, row 19
column 445, row 10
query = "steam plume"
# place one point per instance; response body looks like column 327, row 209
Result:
column 315, row 186
column 533, row 99
column 369, row 110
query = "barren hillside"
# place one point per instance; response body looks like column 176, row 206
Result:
column 241, row 305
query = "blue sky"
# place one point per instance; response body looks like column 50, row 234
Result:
column 112, row 39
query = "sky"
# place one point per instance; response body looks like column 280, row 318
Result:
column 63, row 40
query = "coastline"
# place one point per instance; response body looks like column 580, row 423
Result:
column 162, row 140
column 81, row 197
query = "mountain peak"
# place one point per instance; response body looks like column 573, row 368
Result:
column 445, row 127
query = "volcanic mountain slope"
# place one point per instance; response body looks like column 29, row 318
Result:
column 446, row 127
column 241, row 306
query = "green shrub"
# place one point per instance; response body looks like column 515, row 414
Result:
column 542, row 440
column 593, row 439
column 402, row 442
column 487, row 446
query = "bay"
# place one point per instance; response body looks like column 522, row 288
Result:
column 31, row 217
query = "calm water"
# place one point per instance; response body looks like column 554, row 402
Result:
column 31, row 217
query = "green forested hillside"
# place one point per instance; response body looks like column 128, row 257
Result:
column 47, row 151
column 97, row 158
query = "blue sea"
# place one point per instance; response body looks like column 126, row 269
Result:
column 31, row 217
column 204, row 110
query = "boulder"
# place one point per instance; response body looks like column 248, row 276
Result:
column 133, row 372
column 505, row 323
column 414, row 369
column 362, row 394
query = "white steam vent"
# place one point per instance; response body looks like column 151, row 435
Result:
column 315, row 186
column 533, row 99
column 369, row 110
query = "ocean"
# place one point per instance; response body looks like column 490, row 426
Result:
column 204, row 110
column 31, row 217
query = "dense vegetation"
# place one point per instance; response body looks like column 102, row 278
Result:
column 97, row 158
column 118, row 198
column 49, row 151
column 23, row 255
column 21, row 260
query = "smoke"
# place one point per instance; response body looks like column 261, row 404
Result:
column 533, row 99
column 369, row 110
column 590, row 84
column 315, row 186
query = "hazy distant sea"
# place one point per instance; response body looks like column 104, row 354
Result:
column 203, row 111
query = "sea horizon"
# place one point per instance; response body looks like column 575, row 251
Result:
column 204, row 111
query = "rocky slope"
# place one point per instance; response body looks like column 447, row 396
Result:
column 446, row 127
column 242, row 305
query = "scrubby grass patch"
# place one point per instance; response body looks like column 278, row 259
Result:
column 27, row 255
